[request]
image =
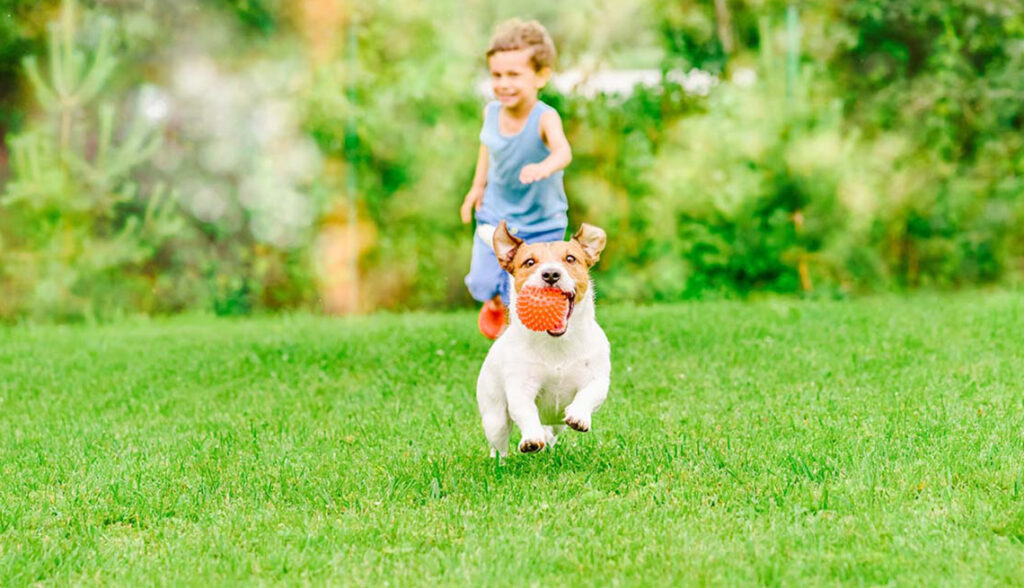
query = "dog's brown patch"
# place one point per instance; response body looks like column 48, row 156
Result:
column 576, row 256
column 576, row 425
column 568, row 253
column 530, row 446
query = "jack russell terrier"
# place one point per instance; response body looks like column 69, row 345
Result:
column 545, row 380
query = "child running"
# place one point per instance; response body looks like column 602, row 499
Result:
column 523, row 151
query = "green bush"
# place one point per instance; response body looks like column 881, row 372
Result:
column 79, row 231
column 848, row 147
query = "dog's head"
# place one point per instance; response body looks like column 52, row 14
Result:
column 559, row 264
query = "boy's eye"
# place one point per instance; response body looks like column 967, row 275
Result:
column 528, row 263
column 570, row 259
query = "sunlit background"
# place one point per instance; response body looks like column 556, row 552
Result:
column 241, row 156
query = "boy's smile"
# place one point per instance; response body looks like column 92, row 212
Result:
column 514, row 80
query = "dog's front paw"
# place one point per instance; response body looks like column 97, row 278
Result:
column 531, row 445
column 577, row 422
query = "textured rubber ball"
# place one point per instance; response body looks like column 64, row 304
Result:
column 542, row 309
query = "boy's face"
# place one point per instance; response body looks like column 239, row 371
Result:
column 513, row 78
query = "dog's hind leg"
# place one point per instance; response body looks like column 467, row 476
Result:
column 496, row 430
column 490, row 400
column 551, row 433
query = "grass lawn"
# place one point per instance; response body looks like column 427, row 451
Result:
column 774, row 442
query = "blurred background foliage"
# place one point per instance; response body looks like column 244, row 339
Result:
column 249, row 155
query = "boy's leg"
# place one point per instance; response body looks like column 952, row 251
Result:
column 544, row 237
column 485, row 275
column 488, row 283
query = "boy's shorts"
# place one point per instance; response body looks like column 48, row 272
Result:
column 486, row 278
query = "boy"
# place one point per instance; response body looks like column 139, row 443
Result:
column 522, row 154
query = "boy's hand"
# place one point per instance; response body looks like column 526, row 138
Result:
column 533, row 172
column 474, row 200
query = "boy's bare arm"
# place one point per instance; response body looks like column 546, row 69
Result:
column 475, row 197
column 553, row 135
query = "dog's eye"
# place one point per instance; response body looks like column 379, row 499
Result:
column 528, row 263
column 570, row 259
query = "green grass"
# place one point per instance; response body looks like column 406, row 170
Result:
column 775, row 442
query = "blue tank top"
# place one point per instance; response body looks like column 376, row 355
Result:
column 540, row 206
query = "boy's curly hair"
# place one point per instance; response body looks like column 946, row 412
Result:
column 515, row 34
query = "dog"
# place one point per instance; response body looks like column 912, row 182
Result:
column 545, row 381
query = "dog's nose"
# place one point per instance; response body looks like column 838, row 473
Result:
column 551, row 276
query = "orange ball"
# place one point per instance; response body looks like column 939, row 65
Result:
column 542, row 309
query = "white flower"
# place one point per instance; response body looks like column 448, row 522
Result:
column 744, row 77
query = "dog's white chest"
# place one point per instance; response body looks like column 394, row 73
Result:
column 558, row 387
column 557, row 368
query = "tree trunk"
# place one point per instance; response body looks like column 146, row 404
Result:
column 724, row 21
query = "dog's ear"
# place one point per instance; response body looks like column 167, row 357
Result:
column 505, row 246
column 592, row 239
